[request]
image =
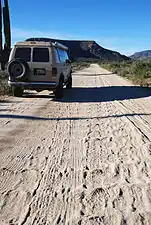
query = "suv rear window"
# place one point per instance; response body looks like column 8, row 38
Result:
column 40, row 55
column 23, row 53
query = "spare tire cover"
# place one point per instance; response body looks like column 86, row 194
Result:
column 17, row 68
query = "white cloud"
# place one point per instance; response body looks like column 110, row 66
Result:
column 21, row 34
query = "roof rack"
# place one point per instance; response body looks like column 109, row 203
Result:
column 56, row 43
column 32, row 43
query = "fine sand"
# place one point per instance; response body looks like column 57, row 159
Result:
column 83, row 160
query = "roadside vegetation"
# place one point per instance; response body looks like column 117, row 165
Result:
column 139, row 72
column 79, row 65
column 4, row 88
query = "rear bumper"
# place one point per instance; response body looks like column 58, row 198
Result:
column 33, row 85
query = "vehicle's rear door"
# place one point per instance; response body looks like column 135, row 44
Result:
column 23, row 53
column 41, row 64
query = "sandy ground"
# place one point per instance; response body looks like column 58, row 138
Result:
column 84, row 160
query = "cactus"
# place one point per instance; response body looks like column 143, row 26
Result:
column 7, row 30
column 1, row 40
column 5, row 50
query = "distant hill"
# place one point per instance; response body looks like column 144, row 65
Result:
column 80, row 49
column 141, row 55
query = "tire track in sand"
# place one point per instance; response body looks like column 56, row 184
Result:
column 91, row 170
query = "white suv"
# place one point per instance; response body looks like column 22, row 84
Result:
column 38, row 65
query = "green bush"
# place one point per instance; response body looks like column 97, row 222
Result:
column 137, row 71
column 78, row 65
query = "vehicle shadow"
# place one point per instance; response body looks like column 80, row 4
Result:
column 97, row 94
column 104, row 94
column 90, row 94
column 27, row 117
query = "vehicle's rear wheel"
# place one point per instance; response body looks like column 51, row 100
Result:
column 59, row 89
column 69, row 83
column 17, row 91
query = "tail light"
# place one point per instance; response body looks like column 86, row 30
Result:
column 54, row 71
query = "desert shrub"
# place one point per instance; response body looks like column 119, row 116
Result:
column 4, row 88
column 112, row 66
column 138, row 71
column 78, row 65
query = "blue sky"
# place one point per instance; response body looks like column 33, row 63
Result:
column 121, row 25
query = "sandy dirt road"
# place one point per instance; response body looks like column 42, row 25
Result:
column 84, row 160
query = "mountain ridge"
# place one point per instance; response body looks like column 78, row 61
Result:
column 141, row 55
column 85, row 49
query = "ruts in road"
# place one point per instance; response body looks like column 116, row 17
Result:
column 81, row 160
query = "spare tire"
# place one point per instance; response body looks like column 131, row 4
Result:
column 17, row 69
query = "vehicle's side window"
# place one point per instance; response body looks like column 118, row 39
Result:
column 66, row 55
column 40, row 55
column 62, row 55
column 23, row 54
column 57, row 55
